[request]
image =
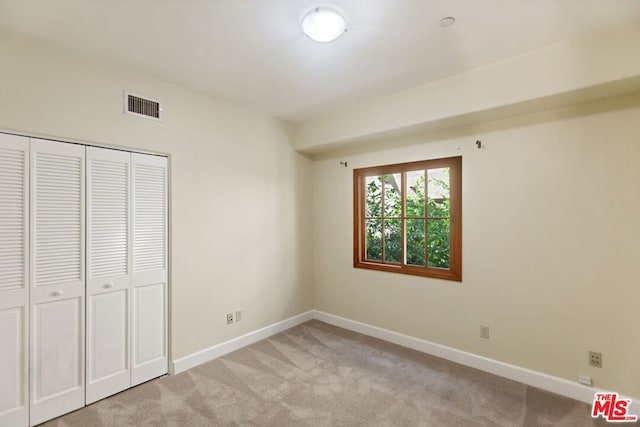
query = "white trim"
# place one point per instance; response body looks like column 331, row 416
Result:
column 561, row 386
column 557, row 385
column 218, row 350
column 88, row 143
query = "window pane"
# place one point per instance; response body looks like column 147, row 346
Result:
column 406, row 218
column 373, row 240
column 438, row 197
column 415, row 241
column 415, row 194
column 438, row 249
column 392, row 192
column 392, row 240
column 373, row 197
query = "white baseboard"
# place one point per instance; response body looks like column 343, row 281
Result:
column 540, row 380
column 198, row 358
column 550, row 383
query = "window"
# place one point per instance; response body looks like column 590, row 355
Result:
column 408, row 218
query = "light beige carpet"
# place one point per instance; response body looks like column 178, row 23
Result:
column 320, row 375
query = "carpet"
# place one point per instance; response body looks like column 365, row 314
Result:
column 317, row 374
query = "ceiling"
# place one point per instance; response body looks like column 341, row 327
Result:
column 253, row 52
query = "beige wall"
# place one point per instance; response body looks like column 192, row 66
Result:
column 241, row 199
column 550, row 238
column 551, row 245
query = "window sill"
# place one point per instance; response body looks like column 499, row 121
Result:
column 434, row 273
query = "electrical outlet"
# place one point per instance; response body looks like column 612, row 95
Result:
column 229, row 318
column 484, row 331
column 585, row 380
column 595, row 359
column 238, row 315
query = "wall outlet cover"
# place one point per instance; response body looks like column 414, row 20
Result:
column 595, row 359
column 585, row 380
column 484, row 331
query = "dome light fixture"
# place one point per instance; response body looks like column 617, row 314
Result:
column 447, row 21
column 324, row 24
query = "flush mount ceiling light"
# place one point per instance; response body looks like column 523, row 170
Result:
column 323, row 24
column 447, row 21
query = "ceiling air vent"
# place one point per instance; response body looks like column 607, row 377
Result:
column 144, row 107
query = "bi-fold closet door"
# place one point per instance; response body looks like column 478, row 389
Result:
column 126, row 269
column 57, row 259
column 149, row 279
column 54, row 197
column 41, row 279
column 108, row 272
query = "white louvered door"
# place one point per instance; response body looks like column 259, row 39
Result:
column 149, row 278
column 14, row 285
column 57, row 259
column 108, row 267
column 43, row 286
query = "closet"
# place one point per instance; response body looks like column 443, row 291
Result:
column 83, row 275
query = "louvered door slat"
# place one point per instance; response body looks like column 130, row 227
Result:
column 12, row 211
column 14, row 290
column 109, row 227
column 58, row 205
column 149, row 280
column 150, row 233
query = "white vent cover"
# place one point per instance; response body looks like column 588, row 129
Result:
column 140, row 106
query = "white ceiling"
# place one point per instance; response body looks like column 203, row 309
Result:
column 253, row 52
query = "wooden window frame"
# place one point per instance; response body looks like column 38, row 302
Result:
column 454, row 272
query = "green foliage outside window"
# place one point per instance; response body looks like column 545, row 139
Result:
column 427, row 236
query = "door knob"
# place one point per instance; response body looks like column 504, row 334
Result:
column 57, row 293
column 108, row 285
